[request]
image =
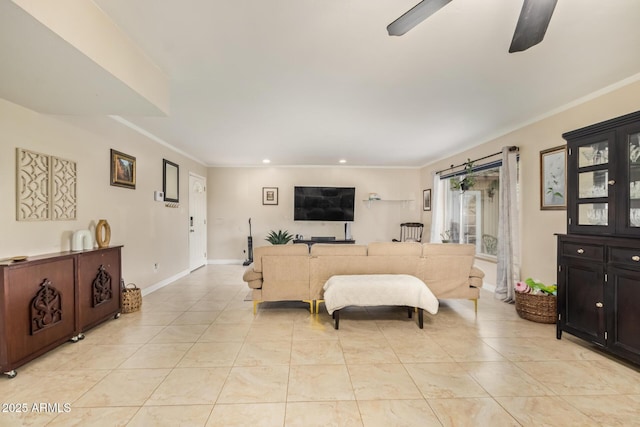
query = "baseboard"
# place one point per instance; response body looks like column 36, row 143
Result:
column 225, row 261
column 489, row 287
column 165, row 282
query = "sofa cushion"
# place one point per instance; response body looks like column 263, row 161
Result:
column 447, row 266
column 447, row 249
column 285, row 277
column 328, row 249
column 395, row 249
column 277, row 250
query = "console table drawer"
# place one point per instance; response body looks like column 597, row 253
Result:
column 582, row 251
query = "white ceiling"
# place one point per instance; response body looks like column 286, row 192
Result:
column 42, row 71
column 309, row 82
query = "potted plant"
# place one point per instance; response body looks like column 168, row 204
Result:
column 468, row 179
column 446, row 236
column 279, row 238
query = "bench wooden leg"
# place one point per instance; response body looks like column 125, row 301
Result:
column 420, row 315
column 336, row 319
column 255, row 306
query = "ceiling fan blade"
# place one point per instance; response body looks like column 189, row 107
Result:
column 532, row 24
column 415, row 15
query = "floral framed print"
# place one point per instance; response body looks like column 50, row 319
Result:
column 269, row 195
column 553, row 178
column 426, row 200
column 123, row 170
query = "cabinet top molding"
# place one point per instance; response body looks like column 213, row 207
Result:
column 603, row 126
column 46, row 257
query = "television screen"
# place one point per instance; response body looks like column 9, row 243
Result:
column 324, row 203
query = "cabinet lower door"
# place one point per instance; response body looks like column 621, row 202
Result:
column 623, row 295
column 39, row 312
column 98, row 286
column 582, row 308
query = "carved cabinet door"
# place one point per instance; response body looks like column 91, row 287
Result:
column 98, row 286
column 39, row 308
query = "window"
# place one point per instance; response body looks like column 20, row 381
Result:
column 471, row 216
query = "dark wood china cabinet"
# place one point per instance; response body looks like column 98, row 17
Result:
column 599, row 257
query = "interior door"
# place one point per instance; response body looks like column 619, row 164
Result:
column 197, row 222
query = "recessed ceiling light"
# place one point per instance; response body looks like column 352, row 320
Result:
column 265, row 161
column 342, row 161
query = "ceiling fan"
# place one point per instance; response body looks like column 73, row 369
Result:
column 530, row 29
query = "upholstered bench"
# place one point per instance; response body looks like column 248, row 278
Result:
column 367, row 290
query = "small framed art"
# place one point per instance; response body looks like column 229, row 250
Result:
column 426, row 200
column 170, row 181
column 553, row 178
column 269, row 195
column 123, row 170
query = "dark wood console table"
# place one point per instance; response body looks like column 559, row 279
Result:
column 312, row 241
column 47, row 300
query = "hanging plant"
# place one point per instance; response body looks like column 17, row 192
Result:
column 492, row 190
column 468, row 178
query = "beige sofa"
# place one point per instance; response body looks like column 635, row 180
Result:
column 296, row 273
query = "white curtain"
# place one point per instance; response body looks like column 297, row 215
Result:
column 437, row 213
column 508, row 229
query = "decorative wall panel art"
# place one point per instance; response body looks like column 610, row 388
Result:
column 45, row 187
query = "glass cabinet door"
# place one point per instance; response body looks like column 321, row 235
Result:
column 593, row 154
column 628, row 218
column 589, row 172
column 603, row 178
column 634, row 180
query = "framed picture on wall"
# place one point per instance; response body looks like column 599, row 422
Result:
column 170, row 181
column 553, row 178
column 269, row 195
column 123, row 170
column 426, row 200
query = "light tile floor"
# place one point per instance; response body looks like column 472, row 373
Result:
column 196, row 355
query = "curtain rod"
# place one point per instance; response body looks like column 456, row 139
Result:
column 512, row 148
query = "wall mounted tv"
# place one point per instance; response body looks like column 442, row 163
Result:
column 323, row 203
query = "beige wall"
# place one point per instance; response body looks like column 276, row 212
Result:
column 538, row 227
column 150, row 232
column 235, row 195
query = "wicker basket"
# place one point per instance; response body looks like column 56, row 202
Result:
column 537, row 308
column 131, row 298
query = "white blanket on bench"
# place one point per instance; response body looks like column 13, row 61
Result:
column 378, row 289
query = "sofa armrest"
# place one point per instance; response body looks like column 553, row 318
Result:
column 476, row 272
column 253, row 278
column 475, row 277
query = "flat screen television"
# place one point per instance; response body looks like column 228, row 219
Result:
column 324, row 203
